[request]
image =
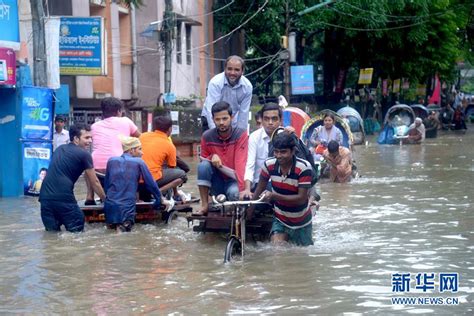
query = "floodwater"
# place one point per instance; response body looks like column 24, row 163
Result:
column 410, row 212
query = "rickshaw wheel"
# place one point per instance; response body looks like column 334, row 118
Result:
column 234, row 248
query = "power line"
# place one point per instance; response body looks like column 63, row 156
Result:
column 260, row 68
column 258, row 85
column 373, row 29
column 234, row 30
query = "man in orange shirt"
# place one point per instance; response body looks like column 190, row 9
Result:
column 159, row 155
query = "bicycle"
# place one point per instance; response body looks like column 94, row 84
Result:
column 231, row 217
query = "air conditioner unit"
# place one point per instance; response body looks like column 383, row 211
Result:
column 98, row 2
column 101, row 95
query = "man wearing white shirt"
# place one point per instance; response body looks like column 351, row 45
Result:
column 258, row 146
column 60, row 136
column 232, row 87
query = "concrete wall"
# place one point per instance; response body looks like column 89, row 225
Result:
column 148, row 56
column 186, row 79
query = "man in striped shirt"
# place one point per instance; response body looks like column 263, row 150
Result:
column 290, row 180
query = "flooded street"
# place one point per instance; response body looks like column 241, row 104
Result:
column 410, row 212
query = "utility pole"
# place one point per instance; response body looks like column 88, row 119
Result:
column 168, row 27
column 286, row 74
column 39, row 47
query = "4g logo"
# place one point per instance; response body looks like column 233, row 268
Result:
column 40, row 114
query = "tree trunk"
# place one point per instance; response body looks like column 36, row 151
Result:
column 329, row 64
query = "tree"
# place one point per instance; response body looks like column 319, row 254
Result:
column 399, row 38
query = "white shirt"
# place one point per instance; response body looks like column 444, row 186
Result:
column 257, row 154
column 239, row 97
column 60, row 138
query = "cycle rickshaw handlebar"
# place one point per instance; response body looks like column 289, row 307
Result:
column 239, row 203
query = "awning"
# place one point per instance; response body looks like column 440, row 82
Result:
column 187, row 20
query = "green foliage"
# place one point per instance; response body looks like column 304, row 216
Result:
column 399, row 38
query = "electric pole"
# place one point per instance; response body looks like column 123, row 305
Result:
column 39, row 47
column 286, row 74
column 168, row 27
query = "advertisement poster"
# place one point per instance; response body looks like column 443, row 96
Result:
column 396, row 86
column 341, row 80
column 406, row 84
column 37, row 111
column 7, row 67
column 82, row 46
column 36, row 159
column 302, row 80
column 9, row 26
column 61, row 105
column 385, row 87
column 365, row 75
column 420, row 89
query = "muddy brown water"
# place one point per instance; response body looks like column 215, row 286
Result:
column 410, row 212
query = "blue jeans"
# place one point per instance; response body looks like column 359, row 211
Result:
column 212, row 178
column 56, row 213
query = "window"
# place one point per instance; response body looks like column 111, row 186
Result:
column 188, row 44
column 178, row 43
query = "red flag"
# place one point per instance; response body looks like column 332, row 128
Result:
column 436, row 96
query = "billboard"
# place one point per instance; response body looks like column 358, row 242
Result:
column 7, row 66
column 302, row 79
column 36, row 159
column 37, row 110
column 82, row 46
column 10, row 30
column 365, row 75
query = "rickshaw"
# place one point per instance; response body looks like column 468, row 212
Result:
column 230, row 217
column 318, row 119
column 356, row 123
column 397, row 120
column 296, row 118
column 145, row 212
column 347, row 137
column 420, row 110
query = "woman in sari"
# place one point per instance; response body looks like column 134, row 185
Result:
column 323, row 134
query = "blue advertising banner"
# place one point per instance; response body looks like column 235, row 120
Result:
column 9, row 26
column 37, row 110
column 36, row 159
column 61, row 103
column 82, row 46
column 302, row 79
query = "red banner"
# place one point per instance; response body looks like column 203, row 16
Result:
column 341, row 81
column 7, row 66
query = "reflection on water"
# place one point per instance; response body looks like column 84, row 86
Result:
column 410, row 212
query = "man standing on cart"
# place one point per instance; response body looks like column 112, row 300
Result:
column 290, row 180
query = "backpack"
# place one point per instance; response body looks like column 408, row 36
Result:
column 301, row 152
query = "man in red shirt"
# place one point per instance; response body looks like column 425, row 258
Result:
column 222, row 147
